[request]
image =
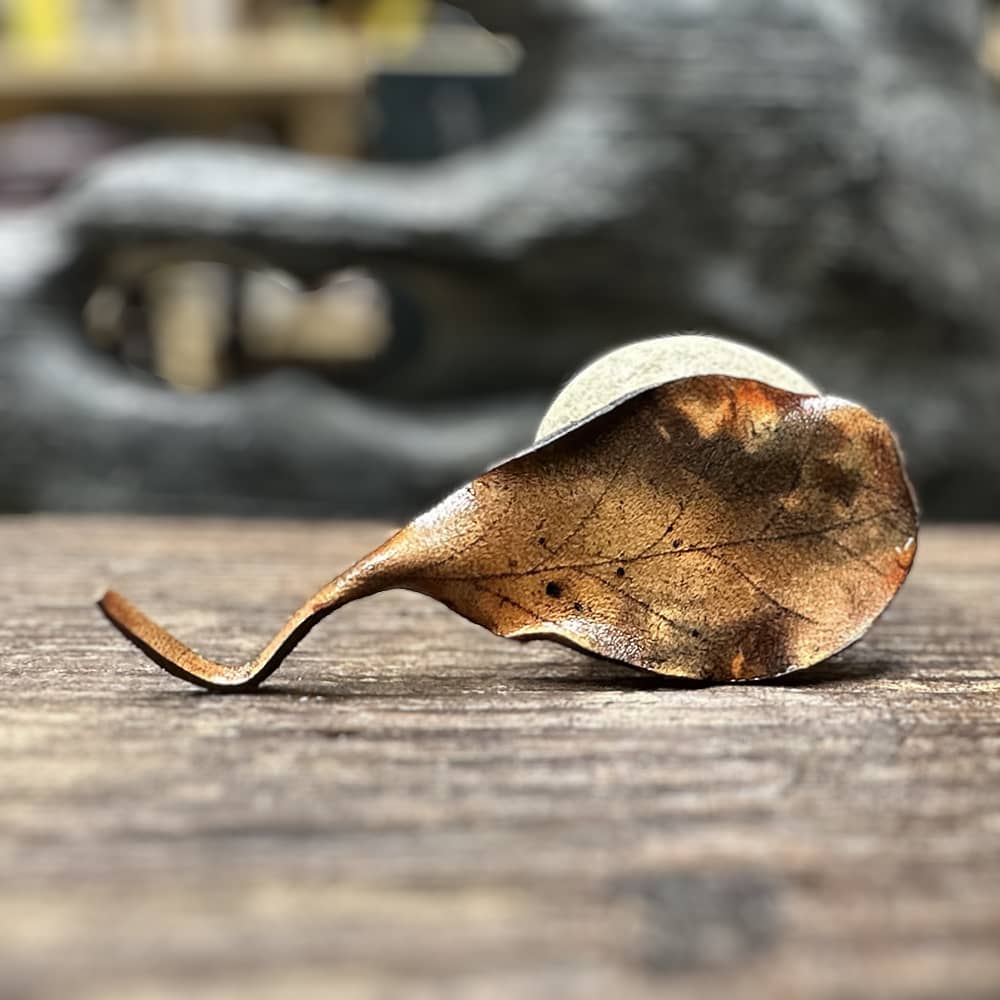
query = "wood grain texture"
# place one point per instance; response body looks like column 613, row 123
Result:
column 415, row 807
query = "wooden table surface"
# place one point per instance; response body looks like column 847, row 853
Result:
column 412, row 807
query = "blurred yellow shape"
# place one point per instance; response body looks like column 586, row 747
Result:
column 396, row 22
column 42, row 27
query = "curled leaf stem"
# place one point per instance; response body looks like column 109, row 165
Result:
column 182, row 661
column 379, row 570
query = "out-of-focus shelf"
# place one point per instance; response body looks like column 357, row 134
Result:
column 243, row 66
column 314, row 82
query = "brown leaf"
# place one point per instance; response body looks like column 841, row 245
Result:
column 712, row 528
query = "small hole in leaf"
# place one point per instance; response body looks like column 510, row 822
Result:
column 541, row 541
column 577, row 606
column 620, row 571
column 677, row 543
column 553, row 589
column 695, row 633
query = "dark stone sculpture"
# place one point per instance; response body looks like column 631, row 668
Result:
column 818, row 177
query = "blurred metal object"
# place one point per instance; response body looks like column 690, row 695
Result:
column 311, row 85
column 343, row 321
column 197, row 321
column 819, row 177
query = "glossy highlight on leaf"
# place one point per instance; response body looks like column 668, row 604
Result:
column 712, row 528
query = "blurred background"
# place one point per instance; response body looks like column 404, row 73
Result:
column 333, row 258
